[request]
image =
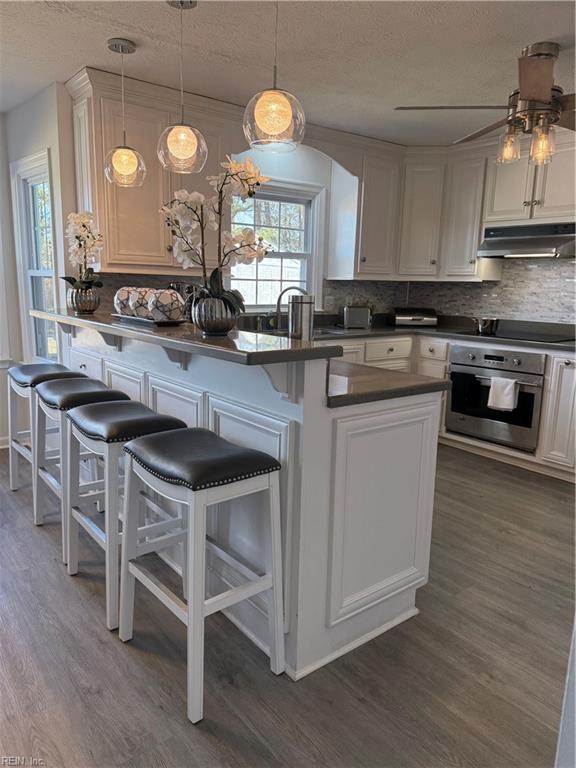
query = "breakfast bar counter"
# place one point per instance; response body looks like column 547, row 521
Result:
column 357, row 446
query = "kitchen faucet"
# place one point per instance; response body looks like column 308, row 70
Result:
column 278, row 309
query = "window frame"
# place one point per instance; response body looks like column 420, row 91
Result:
column 315, row 233
column 25, row 173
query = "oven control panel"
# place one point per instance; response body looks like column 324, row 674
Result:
column 498, row 358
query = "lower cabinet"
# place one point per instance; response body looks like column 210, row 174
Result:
column 126, row 379
column 83, row 362
column 176, row 400
column 558, row 418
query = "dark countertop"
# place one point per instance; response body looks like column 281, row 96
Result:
column 452, row 332
column 353, row 383
column 241, row 347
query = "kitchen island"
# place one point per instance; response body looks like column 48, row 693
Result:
column 358, row 452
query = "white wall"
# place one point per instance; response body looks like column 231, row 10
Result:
column 43, row 122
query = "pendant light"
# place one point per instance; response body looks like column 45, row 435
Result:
column 274, row 119
column 543, row 144
column 509, row 146
column 123, row 165
column 181, row 148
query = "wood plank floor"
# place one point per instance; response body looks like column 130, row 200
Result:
column 474, row 681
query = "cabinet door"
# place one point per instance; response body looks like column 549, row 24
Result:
column 557, row 443
column 173, row 399
column 379, row 217
column 554, row 196
column 353, row 353
column 508, row 187
column 126, row 379
column 136, row 237
column 462, row 217
column 420, row 234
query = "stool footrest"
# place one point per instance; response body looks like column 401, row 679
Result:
column 169, row 540
column 90, row 527
column 154, row 529
column 237, row 594
column 161, row 591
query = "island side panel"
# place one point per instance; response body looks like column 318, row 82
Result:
column 365, row 552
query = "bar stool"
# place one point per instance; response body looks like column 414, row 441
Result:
column 53, row 399
column 22, row 380
column 197, row 468
column 103, row 429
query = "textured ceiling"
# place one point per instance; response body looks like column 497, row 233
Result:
column 349, row 63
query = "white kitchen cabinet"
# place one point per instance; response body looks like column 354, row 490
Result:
column 353, row 351
column 397, row 364
column 134, row 232
column 461, row 229
column 387, row 348
column 421, row 218
column 558, row 420
column 173, row 399
column 125, row 378
column 509, row 188
column 377, row 249
column 554, row 192
column 83, row 362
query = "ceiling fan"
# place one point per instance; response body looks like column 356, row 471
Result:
column 534, row 107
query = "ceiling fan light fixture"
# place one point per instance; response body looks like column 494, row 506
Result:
column 509, row 146
column 543, row 144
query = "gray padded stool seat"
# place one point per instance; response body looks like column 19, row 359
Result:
column 29, row 375
column 198, row 458
column 64, row 394
column 118, row 422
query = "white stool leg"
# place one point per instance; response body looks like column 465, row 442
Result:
column 111, row 512
column 184, row 553
column 196, row 597
column 132, row 509
column 38, row 459
column 64, row 486
column 72, row 496
column 13, row 435
column 274, row 567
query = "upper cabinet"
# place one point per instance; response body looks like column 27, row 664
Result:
column 421, row 218
column 519, row 191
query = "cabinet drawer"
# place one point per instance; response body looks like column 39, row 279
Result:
column 394, row 364
column 432, row 348
column 388, row 348
column 91, row 365
column 434, row 368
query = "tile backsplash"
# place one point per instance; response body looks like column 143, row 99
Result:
column 530, row 289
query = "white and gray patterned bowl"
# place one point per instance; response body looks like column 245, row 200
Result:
column 165, row 304
column 138, row 301
column 122, row 299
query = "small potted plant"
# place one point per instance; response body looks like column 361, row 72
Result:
column 189, row 215
column 84, row 242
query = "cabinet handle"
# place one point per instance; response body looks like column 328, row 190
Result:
column 567, row 362
column 362, row 259
column 390, row 349
column 472, row 260
column 536, row 202
column 527, row 203
column 82, row 366
column 432, row 261
column 431, row 350
column 169, row 248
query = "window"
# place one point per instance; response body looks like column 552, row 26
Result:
column 35, row 251
column 285, row 223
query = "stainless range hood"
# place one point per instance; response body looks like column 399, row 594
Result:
column 529, row 241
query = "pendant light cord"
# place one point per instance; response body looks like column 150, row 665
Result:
column 275, row 80
column 181, row 65
column 123, row 110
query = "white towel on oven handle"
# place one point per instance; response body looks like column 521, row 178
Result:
column 503, row 394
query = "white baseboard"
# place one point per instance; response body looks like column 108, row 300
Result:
column 298, row 675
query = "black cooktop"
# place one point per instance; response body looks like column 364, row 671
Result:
column 528, row 335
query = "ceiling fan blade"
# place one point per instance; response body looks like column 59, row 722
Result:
column 482, row 131
column 567, row 120
column 497, row 106
column 536, row 77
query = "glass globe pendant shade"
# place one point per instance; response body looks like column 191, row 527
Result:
column 508, row 147
column 182, row 149
column 543, row 144
column 274, row 121
column 125, row 167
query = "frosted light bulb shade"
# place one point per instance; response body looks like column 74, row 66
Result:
column 125, row 167
column 543, row 145
column 274, row 121
column 508, row 148
column 182, row 149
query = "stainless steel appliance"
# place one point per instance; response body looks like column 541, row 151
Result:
column 415, row 316
column 467, row 413
column 301, row 317
column 524, row 241
column 357, row 317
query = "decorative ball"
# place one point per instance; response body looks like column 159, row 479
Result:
column 165, row 305
column 122, row 300
column 138, row 301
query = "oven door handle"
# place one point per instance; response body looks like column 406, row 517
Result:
column 520, row 382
